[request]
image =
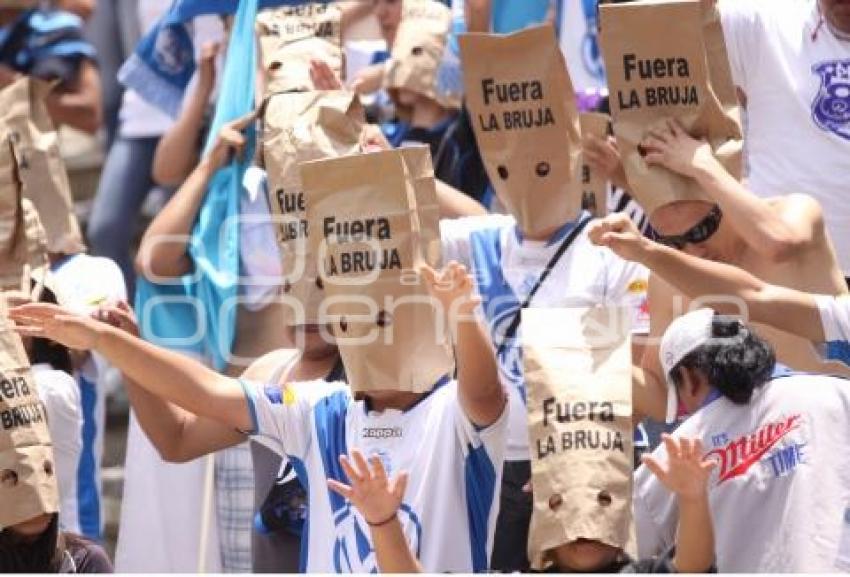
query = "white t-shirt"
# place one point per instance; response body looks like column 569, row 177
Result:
column 450, row 507
column 796, row 76
column 506, row 268
column 61, row 397
column 780, row 497
column 258, row 250
column 835, row 316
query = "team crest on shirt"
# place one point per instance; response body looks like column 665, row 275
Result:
column 764, row 445
column 352, row 550
column 831, row 107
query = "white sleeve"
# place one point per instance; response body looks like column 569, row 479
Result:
column 656, row 515
column 283, row 416
column 743, row 29
column 835, row 317
column 492, row 439
column 455, row 234
column 627, row 285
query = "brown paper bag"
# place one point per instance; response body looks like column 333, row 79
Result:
column 367, row 235
column 523, row 110
column 299, row 127
column 417, row 55
column 291, row 36
column 667, row 59
column 417, row 159
column 578, row 372
column 594, row 187
column 28, row 485
column 25, row 120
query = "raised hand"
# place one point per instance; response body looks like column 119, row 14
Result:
column 375, row 495
column 230, row 142
column 206, row 68
column 619, row 233
column 687, row 473
column 454, row 288
column 120, row 316
column 603, row 157
column 57, row 324
column 673, row 148
column 323, row 77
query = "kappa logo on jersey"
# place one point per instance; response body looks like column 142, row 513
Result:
column 383, row 433
column 738, row 456
column 831, row 107
column 353, row 552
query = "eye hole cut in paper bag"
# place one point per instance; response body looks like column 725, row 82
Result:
column 35, row 143
column 291, row 36
column 522, row 105
column 578, row 371
column 667, row 59
column 299, row 127
column 28, row 486
column 594, row 187
column 368, row 238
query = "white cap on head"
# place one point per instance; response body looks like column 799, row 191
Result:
column 684, row 335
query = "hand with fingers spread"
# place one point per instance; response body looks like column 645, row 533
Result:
column 376, row 496
column 603, row 157
column 57, row 324
column 619, row 233
column 454, row 289
column 687, row 473
column 230, row 142
column 674, row 149
column 323, row 77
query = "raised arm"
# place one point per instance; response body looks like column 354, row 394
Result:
column 378, row 498
column 178, row 435
column 764, row 228
column 686, row 475
column 481, row 393
column 168, row 375
column 784, row 308
column 178, row 149
column 163, row 250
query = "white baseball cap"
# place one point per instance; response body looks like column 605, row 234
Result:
column 684, row 335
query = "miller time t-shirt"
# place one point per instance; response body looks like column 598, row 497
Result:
column 780, row 496
column 506, row 267
column 449, row 509
column 795, row 73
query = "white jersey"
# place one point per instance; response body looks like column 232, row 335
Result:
column 450, row 507
column 506, row 267
column 796, row 75
column 780, row 497
column 835, row 317
column 61, row 397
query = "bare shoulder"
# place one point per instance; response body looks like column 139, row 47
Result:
column 796, row 208
column 264, row 367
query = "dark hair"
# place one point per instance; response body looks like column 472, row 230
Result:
column 736, row 361
column 41, row 555
column 47, row 351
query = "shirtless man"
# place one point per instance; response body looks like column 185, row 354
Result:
column 781, row 240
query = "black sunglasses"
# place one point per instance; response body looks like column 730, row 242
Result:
column 700, row 232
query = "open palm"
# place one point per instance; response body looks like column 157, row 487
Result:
column 375, row 495
column 686, row 473
column 57, row 324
